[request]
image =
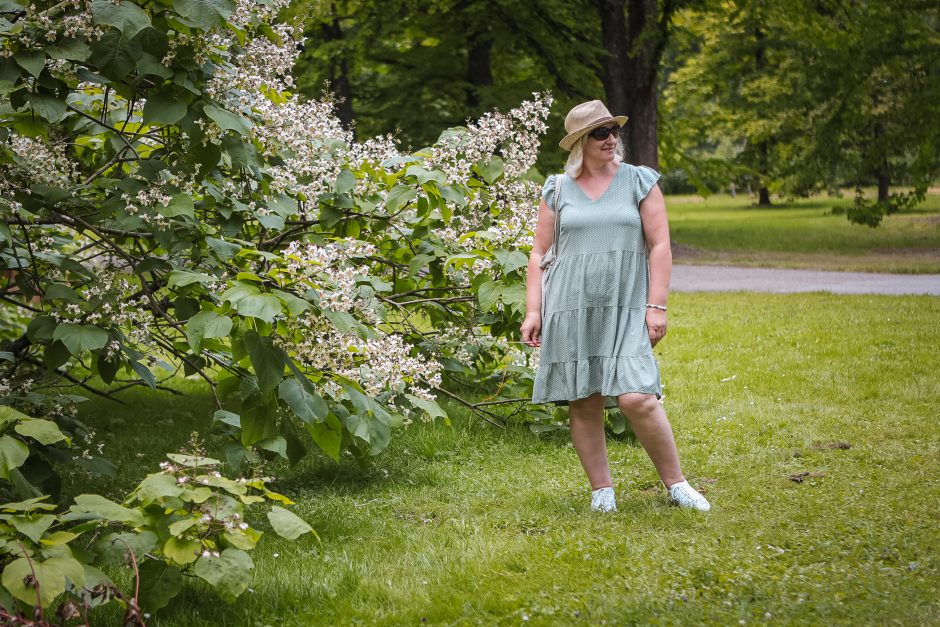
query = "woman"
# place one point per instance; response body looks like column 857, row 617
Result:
column 605, row 306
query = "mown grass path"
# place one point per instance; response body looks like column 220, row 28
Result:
column 810, row 421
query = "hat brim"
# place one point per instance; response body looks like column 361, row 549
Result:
column 572, row 138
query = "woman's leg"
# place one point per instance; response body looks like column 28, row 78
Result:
column 652, row 429
column 586, row 416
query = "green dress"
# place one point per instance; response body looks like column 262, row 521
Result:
column 594, row 336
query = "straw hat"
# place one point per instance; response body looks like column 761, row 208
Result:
column 586, row 117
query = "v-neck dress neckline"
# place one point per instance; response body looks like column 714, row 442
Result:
column 613, row 181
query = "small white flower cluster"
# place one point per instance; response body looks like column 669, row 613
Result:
column 43, row 25
column 35, row 162
column 330, row 269
column 513, row 136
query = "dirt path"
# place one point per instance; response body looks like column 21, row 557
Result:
column 689, row 278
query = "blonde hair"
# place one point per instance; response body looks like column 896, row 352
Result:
column 575, row 161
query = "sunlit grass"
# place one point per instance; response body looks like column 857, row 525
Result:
column 474, row 525
column 803, row 233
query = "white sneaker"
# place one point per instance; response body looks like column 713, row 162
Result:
column 684, row 495
column 602, row 500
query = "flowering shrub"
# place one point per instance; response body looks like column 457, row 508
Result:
column 186, row 519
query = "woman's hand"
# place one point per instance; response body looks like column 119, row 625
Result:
column 532, row 329
column 656, row 324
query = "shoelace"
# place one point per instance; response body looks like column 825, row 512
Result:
column 687, row 492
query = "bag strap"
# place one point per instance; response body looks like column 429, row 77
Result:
column 557, row 209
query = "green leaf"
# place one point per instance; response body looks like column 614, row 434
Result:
column 225, row 250
column 96, row 506
column 180, row 205
column 127, row 17
column 28, row 505
column 295, row 304
column 488, row 294
column 192, row 461
column 24, row 577
column 182, row 551
column 156, row 486
column 41, row 328
column 308, row 407
column 13, row 454
column 115, row 548
column 69, row 49
column 49, row 107
column 327, row 435
column 9, row 414
column 431, row 407
column 33, row 526
column 228, row 121
column 227, row 417
column 206, row 324
column 182, row 278
column 490, row 170
column 287, row 524
column 229, row 574
column 164, row 107
column 32, row 62
column 43, row 431
column 399, row 197
column 267, row 360
column 204, row 13
column 115, row 55
column 511, row 260
column 345, row 182
column 80, row 337
column 144, row 373
column 262, row 306
column 159, row 584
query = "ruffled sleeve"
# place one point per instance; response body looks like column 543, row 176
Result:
column 645, row 179
column 548, row 191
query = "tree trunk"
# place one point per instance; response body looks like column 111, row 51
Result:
column 634, row 42
column 479, row 70
column 884, row 188
column 763, row 197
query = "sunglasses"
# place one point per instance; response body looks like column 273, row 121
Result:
column 603, row 132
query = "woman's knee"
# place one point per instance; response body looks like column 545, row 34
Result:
column 636, row 404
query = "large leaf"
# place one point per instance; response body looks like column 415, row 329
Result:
column 228, row 121
column 96, row 506
column 182, row 551
column 43, row 431
column 164, row 107
column 115, row 54
column 181, row 278
column 116, row 548
column 159, row 584
column 204, row 13
column 33, row 526
column 308, row 407
column 287, row 524
column 24, row 578
column 229, row 574
column 156, row 486
column 267, row 360
column 328, row 436
column 263, row 306
column 80, row 337
column 49, row 107
column 432, row 408
column 9, row 414
column 13, row 454
column 126, row 16
column 206, row 324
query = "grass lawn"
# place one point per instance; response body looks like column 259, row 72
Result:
column 803, row 234
column 474, row 525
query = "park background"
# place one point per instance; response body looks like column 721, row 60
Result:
column 264, row 268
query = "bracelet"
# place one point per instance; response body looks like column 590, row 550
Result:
column 652, row 306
